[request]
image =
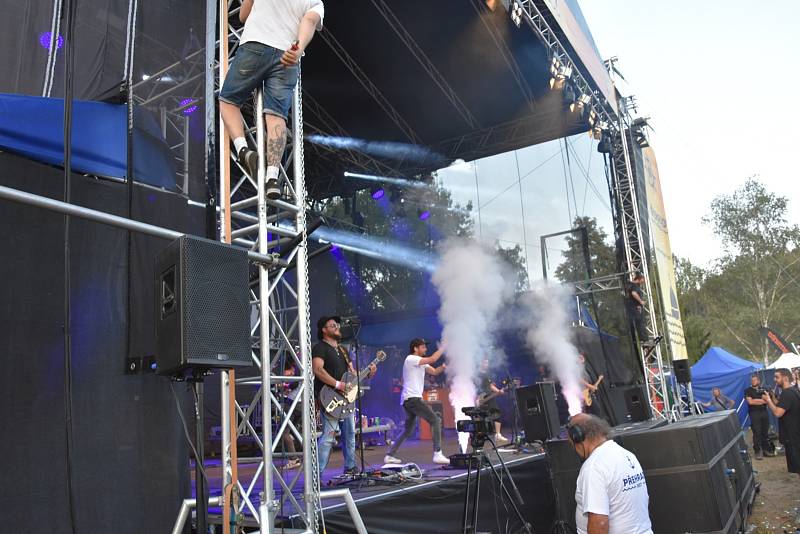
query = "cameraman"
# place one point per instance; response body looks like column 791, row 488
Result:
column 788, row 413
column 759, row 418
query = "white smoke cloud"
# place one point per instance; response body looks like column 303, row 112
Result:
column 473, row 286
column 548, row 337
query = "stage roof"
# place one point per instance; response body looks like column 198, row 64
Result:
column 450, row 75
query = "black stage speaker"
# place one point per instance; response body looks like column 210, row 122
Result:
column 683, row 373
column 537, row 406
column 202, row 306
column 637, row 403
column 698, row 473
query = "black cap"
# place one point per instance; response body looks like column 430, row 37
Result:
column 323, row 320
column 416, row 342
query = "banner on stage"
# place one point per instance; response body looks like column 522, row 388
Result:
column 665, row 267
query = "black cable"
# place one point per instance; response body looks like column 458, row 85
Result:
column 68, row 90
column 186, row 429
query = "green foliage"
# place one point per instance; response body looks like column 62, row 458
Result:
column 390, row 286
column 755, row 283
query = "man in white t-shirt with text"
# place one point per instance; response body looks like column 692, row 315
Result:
column 611, row 492
column 275, row 35
column 415, row 366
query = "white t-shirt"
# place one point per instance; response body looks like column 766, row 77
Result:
column 275, row 22
column 413, row 378
column 611, row 482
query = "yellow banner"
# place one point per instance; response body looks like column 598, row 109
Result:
column 663, row 254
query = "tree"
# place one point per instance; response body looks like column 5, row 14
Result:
column 603, row 258
column 601, row 254
column 690, row 280
column 757, row 281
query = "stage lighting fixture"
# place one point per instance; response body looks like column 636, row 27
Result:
column 377, row 193
column 592, row 117
column 516, row 14
column 560, row 73
column 188, row 106
column 423, row 214
column 44, row 40
column 579, row 105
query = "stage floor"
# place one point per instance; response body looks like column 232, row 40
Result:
column 371, row 493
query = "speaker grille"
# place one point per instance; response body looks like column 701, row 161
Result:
column 216, row 318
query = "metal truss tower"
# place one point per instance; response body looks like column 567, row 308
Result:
column 280, row 326
column 617, row 125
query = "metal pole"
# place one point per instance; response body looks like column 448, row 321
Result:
column 186, row 506
column 186, row 155
column 112, row 220
column 345, row 494
column 199, row 480
column 267, row 506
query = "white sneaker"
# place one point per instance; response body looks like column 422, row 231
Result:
column 391, row 460
column 439, row 458
column 500, row 439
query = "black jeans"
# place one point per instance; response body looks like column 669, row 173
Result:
column 759, row 423
column 415, row 408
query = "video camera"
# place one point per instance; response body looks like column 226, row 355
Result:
column 480, row 424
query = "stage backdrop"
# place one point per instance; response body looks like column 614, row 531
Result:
column 128, row 460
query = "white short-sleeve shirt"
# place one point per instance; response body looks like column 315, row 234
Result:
column 275, row 22
column 611, row 482
column 413, row 378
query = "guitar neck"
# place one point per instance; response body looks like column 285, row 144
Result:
column 365, row 371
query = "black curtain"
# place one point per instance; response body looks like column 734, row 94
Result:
column 129, row 456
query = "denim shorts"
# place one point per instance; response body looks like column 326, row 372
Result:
column 254, row 64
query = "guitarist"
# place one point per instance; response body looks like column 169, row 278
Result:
column 330, row 362
column 415, row 367
column 589, row 388
column 487, row 389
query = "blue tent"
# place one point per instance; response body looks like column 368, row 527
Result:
column 719, row 368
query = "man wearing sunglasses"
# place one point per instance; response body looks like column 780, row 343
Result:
column 330, row 362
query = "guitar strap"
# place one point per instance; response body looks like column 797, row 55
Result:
column 344, row 354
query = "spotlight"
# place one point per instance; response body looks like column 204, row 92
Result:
column 560, row 74
column 516, row 14
column 188, row 106
column 44, row 40
column 423, row 214
column 579, row 105
column 377, row 193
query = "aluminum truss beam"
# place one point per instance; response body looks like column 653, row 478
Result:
column 617, row 125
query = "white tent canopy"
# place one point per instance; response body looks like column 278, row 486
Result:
column 790, row 360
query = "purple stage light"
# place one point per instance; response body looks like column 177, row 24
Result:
column 378, row 193
column 44, row 40
column 424, row 215
column 190, row 109
column 334, row 248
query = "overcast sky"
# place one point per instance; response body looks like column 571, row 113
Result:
column 721, row 81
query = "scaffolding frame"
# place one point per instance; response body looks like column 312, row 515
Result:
column 617, row 125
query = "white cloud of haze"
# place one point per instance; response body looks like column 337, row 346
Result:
column 473, row 286
column 548, row 336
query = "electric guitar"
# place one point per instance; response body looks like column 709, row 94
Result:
column 483, row 398
column 588, row 393
column 339, row 403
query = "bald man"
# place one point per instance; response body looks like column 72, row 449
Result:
column 611, row 492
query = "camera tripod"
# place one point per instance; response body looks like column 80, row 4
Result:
column 479, row 459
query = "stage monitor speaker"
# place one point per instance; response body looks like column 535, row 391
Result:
column 637, row 403
column 202, row 306
column 683, row 373
column 537, row 407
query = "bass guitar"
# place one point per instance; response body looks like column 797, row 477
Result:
column 339, row 403
column 588, row 393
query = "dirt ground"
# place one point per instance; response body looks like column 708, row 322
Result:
column 777, row 506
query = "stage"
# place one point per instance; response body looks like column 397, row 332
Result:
column 434, row 503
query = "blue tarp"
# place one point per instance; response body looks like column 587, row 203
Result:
column 719, row 368
column 34, row 126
